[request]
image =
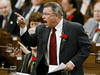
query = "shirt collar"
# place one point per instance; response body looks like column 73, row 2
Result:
column 59, row 26
column 36, row 7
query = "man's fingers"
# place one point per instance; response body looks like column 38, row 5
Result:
column 20, row 44
column 18, row 14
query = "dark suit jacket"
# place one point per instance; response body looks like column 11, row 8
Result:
column 24, row 64
column 28, row 9
column 13, row 3
column 76, row 48
column 77, row 17
column 12, row 26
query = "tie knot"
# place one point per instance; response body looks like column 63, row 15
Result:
column 54, row 29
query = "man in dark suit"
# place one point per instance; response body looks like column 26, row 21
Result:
column 25, row 63
column 10, row 21
column 36, row 6
column 73, row 45
column 17, row 7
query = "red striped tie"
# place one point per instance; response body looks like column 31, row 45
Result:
column 6, row 22
column 52, row 51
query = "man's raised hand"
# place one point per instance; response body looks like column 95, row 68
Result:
column 21, row 20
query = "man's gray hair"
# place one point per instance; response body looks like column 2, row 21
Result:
column 8, row 1
column 56, row 8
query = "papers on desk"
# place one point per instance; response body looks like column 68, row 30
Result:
column 54, row 68
column 97, row 44
column 18, row 73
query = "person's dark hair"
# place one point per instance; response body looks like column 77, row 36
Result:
column 73, row 2
column 56, row 8
column 36, row 17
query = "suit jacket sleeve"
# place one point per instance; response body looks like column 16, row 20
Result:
column 84, row 47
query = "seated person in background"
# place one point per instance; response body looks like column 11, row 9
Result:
column 34, row 20
column 36, row 6
column 71, row 12
column 8, row 18
column 26, row 64
column 93, row 22
column 19, row 5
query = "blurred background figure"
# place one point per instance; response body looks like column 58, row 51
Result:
column 34, row 20
column 19, row 5
column 8, row 18
column 36, row 6
column 71, row 12
column 93, row 23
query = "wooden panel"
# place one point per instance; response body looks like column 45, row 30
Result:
column 92, row 65
column 90, row 59
column 4, row 71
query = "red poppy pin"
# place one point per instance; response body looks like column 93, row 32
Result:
column 34, row 59
column 64, row 36
column 70, row 17
column 97, row 29
column 89, row 5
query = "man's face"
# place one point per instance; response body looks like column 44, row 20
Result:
column 66, row 6
column 4, row 8
column 96, row 12
column 49, row 17
column 36, row 2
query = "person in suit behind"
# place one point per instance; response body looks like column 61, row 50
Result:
column 93, row 22
column 34, row 20
column 71, row 12
column 26, row 60
column 19, row 5
column 72, row 44
column 8, row 18
column 36, row 6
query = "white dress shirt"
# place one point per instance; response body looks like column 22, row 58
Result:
column 35, row 8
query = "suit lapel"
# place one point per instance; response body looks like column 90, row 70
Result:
column 45, row 37
column 10, row 22
column 65, row 31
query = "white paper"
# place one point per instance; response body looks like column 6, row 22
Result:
column 54, row 68
column 18, row 73
column 86, row 6
column 97, row 44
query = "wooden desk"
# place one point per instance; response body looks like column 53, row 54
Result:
column 4, row 71
column 92, row 65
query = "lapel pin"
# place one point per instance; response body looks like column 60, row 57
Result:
column 11, row 22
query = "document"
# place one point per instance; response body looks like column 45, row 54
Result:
column 18, row 73
column 54, row 68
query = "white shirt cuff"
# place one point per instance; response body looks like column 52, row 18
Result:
column 22, row 31
column 72, row 63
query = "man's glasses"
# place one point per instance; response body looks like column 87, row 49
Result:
column 96, row 11
column 46, row 14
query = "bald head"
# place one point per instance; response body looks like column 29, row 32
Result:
column 5, row 7
column 96, row 12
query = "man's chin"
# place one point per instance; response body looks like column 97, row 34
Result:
column 4, row 14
